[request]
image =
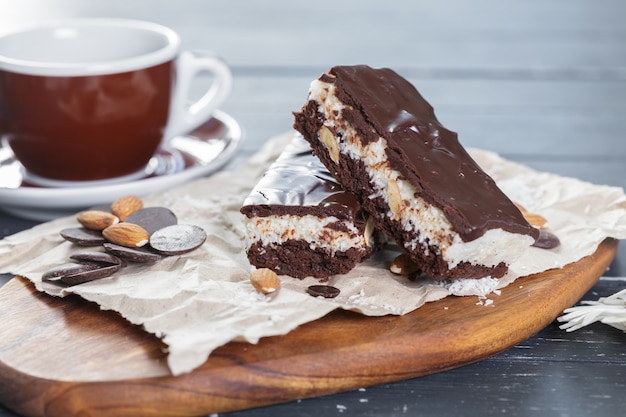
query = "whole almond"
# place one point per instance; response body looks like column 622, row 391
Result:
column 126, row 234
column 125, row 206
column 96, row 219
column 265, row 280
column 535, row 220
column 403, row 265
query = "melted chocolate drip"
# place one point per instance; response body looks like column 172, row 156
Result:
column 426, row 153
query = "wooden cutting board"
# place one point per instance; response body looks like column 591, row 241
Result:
column 61, row 357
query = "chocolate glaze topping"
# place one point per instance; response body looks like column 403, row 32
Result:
column 298, row 184
column 426, row 153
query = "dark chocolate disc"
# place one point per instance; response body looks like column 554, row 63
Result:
column 152, row 218
column 177, row 239
column 96, row 257
column 546, row 240
column 70, row 268
column 326, row 291
column 91, row 275
column 131, row 254
column 82, row 236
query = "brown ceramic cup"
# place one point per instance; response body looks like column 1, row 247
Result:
column 93, row 99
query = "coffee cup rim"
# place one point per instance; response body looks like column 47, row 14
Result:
column 80, row 68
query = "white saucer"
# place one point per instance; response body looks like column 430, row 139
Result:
column 203, row 151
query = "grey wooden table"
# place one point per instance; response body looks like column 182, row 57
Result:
column 540, row 82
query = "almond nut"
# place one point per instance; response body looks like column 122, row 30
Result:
column 520, row 207
column 328, row 139
column 394, row 198
column 96, row 219
column 535, row 220
column 369, row 230
column 126, row 234
column 265, row 281
column 125, row 206
column 403, row 265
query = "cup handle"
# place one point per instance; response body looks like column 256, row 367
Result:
column 185, row 117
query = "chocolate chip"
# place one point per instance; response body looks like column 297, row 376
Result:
column 152, row 218
column 90, row 275
column 546, row 240
column 96, row 257
column 82, row 236
column 326, row 291
column 177, row 239
column 71, row 268
column 131, row 254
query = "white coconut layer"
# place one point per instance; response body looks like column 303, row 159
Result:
column 318, row 232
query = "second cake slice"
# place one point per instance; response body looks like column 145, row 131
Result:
column 301, row 222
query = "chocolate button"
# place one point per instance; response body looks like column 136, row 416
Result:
column 57, row 272
column 152, row 218
column 326, row 291
column 546, row 240
column 82, row 236
column 91, row 275
column 131, row 254
column 97, row 257
column 177, row 239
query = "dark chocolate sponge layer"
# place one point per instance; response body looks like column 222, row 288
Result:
column 296, row 259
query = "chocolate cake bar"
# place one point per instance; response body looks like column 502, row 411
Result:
column 381, row 140
column 300, row 222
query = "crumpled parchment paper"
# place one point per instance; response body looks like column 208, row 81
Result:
column 202, row 300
